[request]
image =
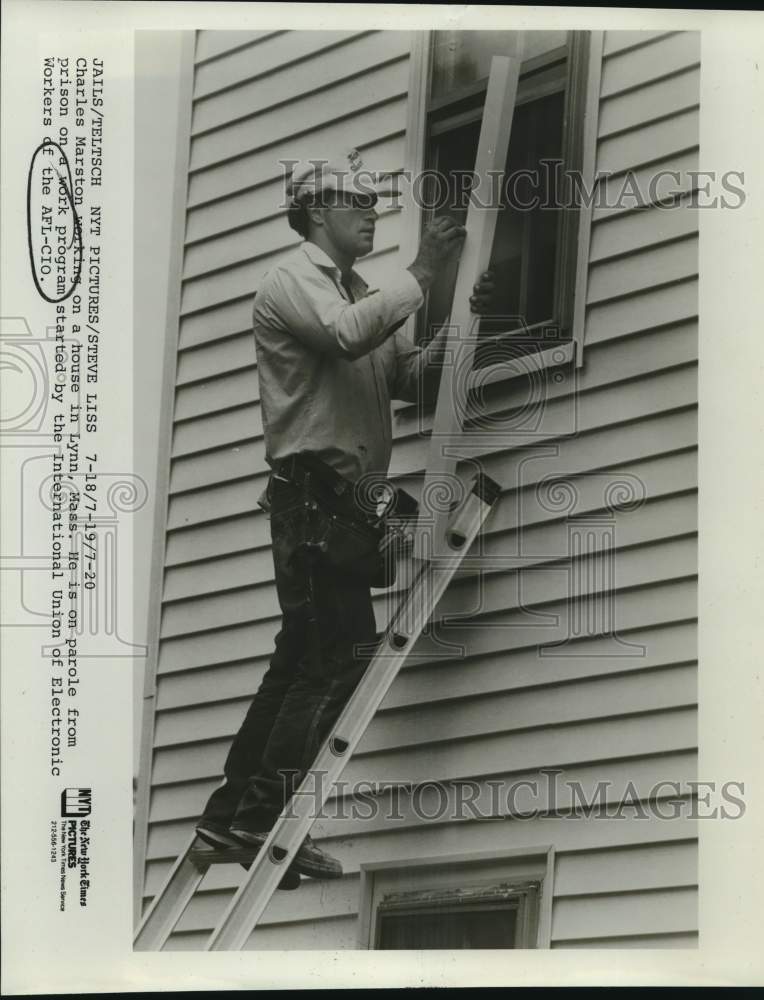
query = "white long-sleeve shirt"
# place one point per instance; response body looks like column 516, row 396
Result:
column 329, row 366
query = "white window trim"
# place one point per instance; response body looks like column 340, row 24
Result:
column 449, row 871
column 588, row 170
column 416, row 116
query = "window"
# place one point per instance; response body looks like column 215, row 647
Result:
column 480, row 901
column 480, row 917
column 534, row 249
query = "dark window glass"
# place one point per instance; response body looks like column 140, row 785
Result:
column 525, row 245
column 473, row 928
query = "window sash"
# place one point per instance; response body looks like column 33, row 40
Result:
column 462, row 118
column 537, row 79
column 522, row 898
column 484, row 872
column 588, row 88
column 462, row 107
column 530, row 63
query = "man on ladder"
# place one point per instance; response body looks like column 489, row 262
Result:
column 330, row 357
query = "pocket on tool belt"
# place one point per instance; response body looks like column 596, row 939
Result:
column 345, row 543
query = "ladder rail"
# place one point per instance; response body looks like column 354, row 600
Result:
column 290, row 829
column 447, row 427
column 170, row 902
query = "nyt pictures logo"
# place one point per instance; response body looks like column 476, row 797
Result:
column 76, row 801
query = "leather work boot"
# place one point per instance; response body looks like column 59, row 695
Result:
column 310, row 859
column 219, row 837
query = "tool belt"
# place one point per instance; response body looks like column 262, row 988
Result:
column 353, row 528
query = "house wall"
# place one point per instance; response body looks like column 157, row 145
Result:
column 158, row 62
column 629, row 414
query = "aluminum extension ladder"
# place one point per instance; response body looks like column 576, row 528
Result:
column 268, row 866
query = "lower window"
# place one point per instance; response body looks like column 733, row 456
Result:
column 482, row 918
column 458, row 902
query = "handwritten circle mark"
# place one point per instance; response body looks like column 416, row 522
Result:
column 65, row 188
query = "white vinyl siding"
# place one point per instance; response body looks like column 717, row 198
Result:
column 501, row 711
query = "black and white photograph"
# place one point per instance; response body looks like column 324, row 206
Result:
column 381, row 539
column 358, row 207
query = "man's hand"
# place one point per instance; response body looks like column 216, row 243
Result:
column 440, row 240
column 434, row 352
column 482, row 294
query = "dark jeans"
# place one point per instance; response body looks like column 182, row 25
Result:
column 326, row 615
